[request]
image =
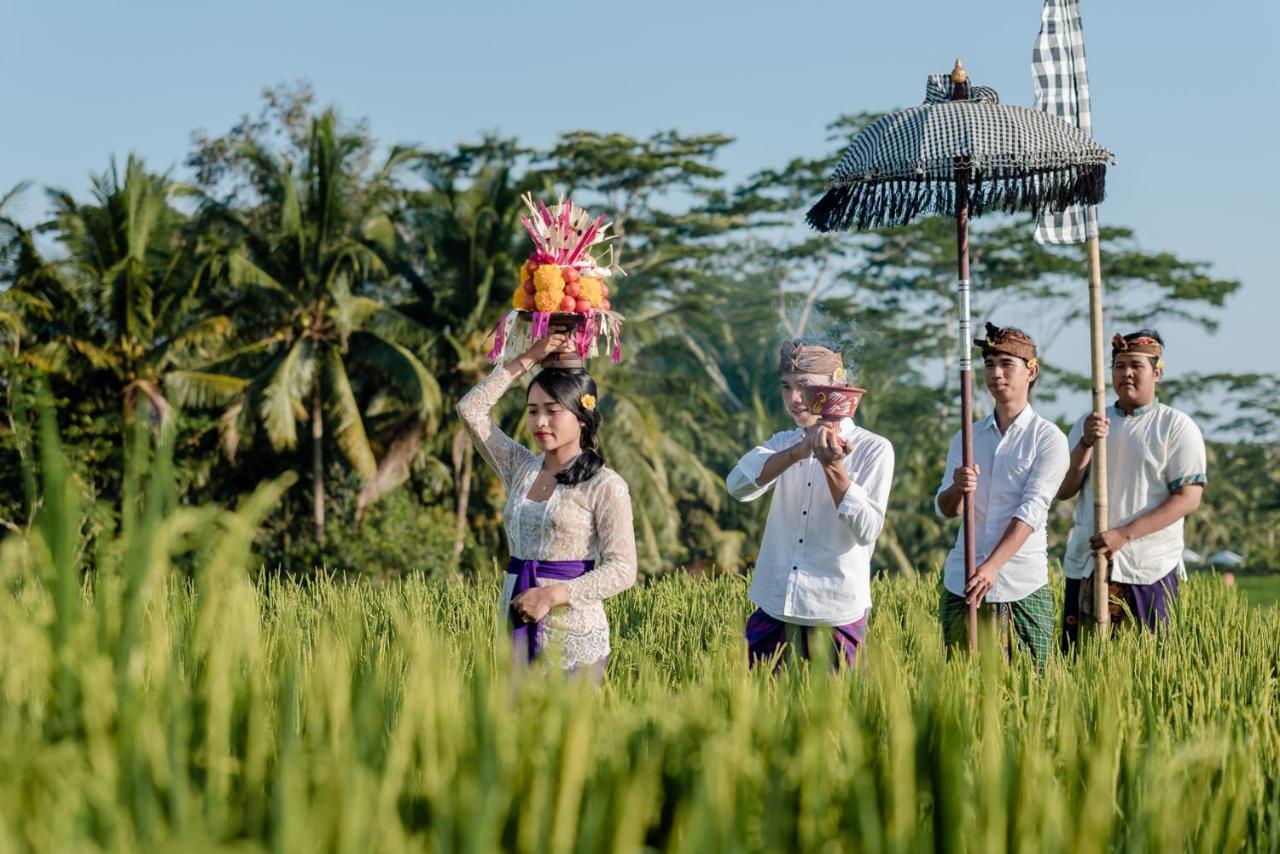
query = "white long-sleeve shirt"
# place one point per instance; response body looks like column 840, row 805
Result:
column 814, row 567
column 1019, row 473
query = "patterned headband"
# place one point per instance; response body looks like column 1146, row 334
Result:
column 795, row 357
column 1142, row 345
column 1011, row 342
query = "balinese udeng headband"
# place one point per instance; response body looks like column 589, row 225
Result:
column 1011, row 342
column 797, row 357
column 1143, row 345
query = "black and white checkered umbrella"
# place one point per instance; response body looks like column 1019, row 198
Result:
column 907, row 163
column 960, row 154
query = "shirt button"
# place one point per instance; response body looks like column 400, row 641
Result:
column 802, row 539
column 804, row 512
column 794, row 568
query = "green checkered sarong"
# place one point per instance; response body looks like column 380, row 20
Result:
column 1029, row 620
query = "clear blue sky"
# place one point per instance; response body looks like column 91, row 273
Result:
column 1183, row 92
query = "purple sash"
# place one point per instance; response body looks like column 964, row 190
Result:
column 527, row 572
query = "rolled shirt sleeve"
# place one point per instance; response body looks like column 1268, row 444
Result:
column 862, row 510
column 955, row 456
column 741, row 482
column 1051, row 463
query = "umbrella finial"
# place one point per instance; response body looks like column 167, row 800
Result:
column 958, row 74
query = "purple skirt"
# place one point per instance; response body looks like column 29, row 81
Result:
column 767, row 640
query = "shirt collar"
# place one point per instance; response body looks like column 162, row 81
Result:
column 1024, row 418
column 1141, row 410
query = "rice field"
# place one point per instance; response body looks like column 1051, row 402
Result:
column 168, row 700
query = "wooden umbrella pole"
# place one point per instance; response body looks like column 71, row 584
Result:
column 1098, row 464
column 966, row 385
column 959, row 91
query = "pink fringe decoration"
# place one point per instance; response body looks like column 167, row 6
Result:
column 499, row 339
column 541, row 323
column 616, row 355
column 586, row 331
column 587, row 236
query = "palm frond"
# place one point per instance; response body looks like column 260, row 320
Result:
column 193, row 341
column 243, row 272
column 92, row 353
column 363, row 314
column 349, row 429
column 410, row 379
column 286, row 392
column 202, row 390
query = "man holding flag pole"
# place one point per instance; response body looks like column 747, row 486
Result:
column 1062, row 89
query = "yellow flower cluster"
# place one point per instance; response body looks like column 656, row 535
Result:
column 548, row 283
column 547, row 287
column 520, row 299
column 590, row 289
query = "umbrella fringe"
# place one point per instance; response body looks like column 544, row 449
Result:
column 897, row 201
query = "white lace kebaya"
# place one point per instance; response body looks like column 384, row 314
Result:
column 588, row 521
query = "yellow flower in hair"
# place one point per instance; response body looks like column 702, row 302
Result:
column 1160, row 364
column 839, row 375
column 1033, row 362
column 588, row 402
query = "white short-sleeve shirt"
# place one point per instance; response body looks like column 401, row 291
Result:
column 1150, row 453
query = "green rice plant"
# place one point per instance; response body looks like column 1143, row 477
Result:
column 154, row 696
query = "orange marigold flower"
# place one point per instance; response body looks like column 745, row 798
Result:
column 590, row 289
column 549, row 278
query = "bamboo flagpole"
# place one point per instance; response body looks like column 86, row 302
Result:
column 1062, row 89
column 1098, row 463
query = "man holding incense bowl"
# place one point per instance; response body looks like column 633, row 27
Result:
column 830, row 483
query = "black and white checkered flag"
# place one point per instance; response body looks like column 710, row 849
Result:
column 1062, row 90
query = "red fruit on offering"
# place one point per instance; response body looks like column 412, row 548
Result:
column 606, row 305
column 604, row 291
column 529, row 302
column 583, row 305
column 570, row 274
column 533, row 265
column 568, row 304
column 530, row 288
column 573, row 288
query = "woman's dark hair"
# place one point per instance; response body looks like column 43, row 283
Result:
column 567, row 386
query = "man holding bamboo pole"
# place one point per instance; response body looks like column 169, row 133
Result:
column 1155, row 475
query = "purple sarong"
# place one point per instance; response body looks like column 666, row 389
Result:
column 1148, row 603
column 527, row 572
column 766, row 637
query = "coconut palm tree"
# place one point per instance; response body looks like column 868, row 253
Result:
column 120, row 304
column 312, row 258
